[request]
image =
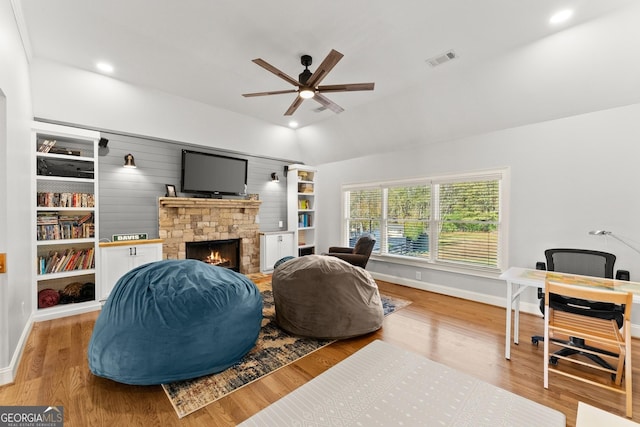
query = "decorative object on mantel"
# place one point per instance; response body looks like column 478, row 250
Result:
column 171, row 190
column 254, row 196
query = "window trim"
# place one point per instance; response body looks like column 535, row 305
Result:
column 503, row 176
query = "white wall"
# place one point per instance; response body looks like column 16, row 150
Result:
column 568, row 176
column 15, row 196
column 79, row 97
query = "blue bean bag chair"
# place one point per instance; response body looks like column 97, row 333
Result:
column 173, row 320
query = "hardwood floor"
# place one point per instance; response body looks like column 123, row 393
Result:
column 462, row 334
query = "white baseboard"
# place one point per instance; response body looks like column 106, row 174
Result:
column 525, row 307
column 64, row 310
column 8, row 374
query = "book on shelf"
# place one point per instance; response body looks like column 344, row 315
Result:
column 46, row 146
column 69, row 260
column 65, row 230
column 65, row 200
column 304, row 204
column 47, row 218
column 304, row 220
column 85, row 218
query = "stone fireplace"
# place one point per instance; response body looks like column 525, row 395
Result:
column 185, row 220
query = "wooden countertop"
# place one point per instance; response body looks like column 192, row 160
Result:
column 129, row 242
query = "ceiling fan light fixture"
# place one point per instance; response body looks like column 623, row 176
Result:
column 561, row 16
column 306, row 93
column 308, row 84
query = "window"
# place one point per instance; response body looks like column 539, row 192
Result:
column 450, row 221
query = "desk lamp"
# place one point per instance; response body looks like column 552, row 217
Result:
column 609, row 233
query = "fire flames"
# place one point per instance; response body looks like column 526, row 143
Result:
column 214, row 258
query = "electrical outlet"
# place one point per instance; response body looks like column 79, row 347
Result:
column 418, row 275
column 3, row 263
column 280, row 224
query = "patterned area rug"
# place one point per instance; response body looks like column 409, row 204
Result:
column 274, row 349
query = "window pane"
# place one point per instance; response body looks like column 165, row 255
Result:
column 469, row 219
column 365, row 214
column 408, row 214
column 470, row 201
column 408, row 238
column 359, row 227
column 475, row 244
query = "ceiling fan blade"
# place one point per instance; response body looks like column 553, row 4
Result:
column 264, row 64
column 273, row 92
column 294, row 106
column 323, row 69
column 326, row 102
column 346, row 87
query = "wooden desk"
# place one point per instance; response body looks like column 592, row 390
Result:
column 522, row 278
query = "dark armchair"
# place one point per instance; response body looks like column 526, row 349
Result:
column 359, row 254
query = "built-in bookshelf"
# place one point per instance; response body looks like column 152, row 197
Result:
column 65, row 220
column 301, row 206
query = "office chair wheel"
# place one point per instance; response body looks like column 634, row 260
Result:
column 553, row 361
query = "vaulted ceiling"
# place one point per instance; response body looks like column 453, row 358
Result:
column 202, row 50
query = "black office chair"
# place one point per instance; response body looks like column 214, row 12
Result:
column 587, row 263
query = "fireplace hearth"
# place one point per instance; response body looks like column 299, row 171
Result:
column 221, row 253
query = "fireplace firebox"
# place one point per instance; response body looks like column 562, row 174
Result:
column 222, row 253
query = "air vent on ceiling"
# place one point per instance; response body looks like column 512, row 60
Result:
column 442, row 58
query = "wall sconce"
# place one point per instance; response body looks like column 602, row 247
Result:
column 103, row 142
column 274, row 177
column 129, row 161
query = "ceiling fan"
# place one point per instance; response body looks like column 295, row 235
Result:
column 308, row 83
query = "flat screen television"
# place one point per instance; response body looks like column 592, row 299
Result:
column 213, row 175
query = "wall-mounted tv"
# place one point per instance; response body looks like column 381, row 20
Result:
column 213, row 175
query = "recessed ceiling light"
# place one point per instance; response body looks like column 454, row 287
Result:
column 293, row 124
column 561, row 16
column 104, row 67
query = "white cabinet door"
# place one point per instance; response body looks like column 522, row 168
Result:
column 144, row 254
column 274, row 247
column 287, row 247
column 115, row 261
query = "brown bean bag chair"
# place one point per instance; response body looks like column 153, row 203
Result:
column 325, row 297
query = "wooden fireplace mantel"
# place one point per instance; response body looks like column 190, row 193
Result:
column 196, row 202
